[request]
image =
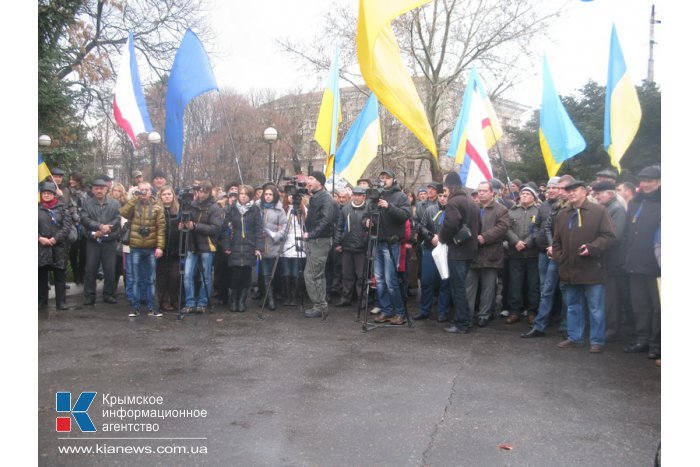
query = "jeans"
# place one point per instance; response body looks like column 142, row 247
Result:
column 128, row 277
column 386, row 261
column 549, row 278
column 266, row 265
column 429, row 278
column 143, row 266
column 292, row 267
column 458, row 289
column 192, row 264
column 594, row 296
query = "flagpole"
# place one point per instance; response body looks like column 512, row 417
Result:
column 503, row 162
column 230, row 135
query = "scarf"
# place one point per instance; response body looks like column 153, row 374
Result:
column 51, row 204
column 268, row 205
column 243, row 208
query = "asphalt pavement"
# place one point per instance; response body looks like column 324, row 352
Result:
column 292, row 391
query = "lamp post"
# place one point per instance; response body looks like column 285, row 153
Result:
column 154, row 140
column 270, row 136
column 45, row 141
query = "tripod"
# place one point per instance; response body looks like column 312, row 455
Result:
column 182, row 254
column 368, row 273
column 295, row 213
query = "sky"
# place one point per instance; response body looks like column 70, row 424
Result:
column 245, row 54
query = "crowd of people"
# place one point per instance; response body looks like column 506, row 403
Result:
column 566, row 252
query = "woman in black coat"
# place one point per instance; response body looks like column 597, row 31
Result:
column 168, row 265
column 54, row 228
column 243, row 243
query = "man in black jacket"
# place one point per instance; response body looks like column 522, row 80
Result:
column 319, row 240
column 461, row 213
column 351, row 242
column 204, row 225
column 100, row 219
column 643, row 225
column 394, row 211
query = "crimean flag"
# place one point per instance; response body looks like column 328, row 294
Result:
column 359, row 147
column 190, row 76
column 622, row 110
column 329, row 115
column 491, row 127
column 468, row 139
column 383, row 70
column 130, row 110
column 559, row 138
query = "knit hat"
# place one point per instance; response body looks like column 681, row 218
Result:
column 48, row 186
column 452, row 180
column 530, row 189
column 554, row 181
column 318, row 175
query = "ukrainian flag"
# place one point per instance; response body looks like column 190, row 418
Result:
column 359, row 147
column 43, row 169
column 622, row 110
column 329, row 115
column 559, row 138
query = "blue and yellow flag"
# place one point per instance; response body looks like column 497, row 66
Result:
column 44, row 170
column 359, row 146
column 622, row 110
column 559, row 138
column 329, row 115
column 383, row 69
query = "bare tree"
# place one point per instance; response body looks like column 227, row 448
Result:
column 441, row 42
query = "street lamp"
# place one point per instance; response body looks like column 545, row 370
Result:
column 154, row 140
column 45, row 140
column 270, row 136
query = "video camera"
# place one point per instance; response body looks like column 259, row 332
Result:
column 294, row 187
column 375, row 191
column 185, row 196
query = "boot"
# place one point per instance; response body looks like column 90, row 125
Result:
column 242, row 296
column 270, row 291
column 233, row 296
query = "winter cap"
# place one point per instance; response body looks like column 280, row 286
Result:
column 318, row 175
column 554, row 181
column 452, row 180
column 653, row 171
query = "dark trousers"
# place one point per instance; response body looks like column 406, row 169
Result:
column 76, row 255
column 59, row 282
column 613, row 305
column 458, row 290
column 353, row 267
column 222, row 275
column 104, row 253
column 523, row 271
column 240, row 276
column 168, row 281
column 646, row 306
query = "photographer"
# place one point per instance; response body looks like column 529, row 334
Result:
column 394, row 210
column 319, row 239
column 146, row 242
column 203, row 220
column 351, row 243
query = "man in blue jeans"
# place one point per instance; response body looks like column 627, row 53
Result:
column 206, row 218
column 394, row 211
column 459, row 231
column 146, row 242
column 583, row 232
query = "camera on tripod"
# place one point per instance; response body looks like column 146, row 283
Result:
column 375, row 191
column 185, row 196
column 296, row 189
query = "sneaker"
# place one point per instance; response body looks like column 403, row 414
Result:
column 595, row 348
column 155, row 313
column 188, row 310
column 200, row 309
column 382, row 318
column 313, row 313
column 505, row 313
column 398, row 320
column 134, row 313
column 457, row 330
column 568, row 344
column 375, row 310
